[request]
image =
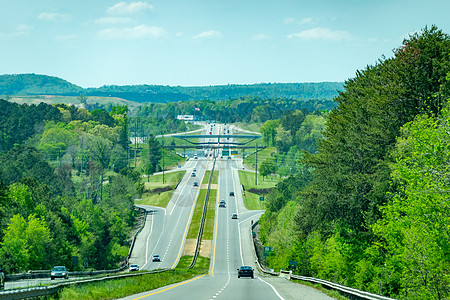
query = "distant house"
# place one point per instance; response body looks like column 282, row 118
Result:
column 186, row 117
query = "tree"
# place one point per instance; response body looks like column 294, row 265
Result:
column 14, row 253
column 415, row 223
column 154, row 154
column 267, row 167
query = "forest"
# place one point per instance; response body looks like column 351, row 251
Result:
column 370, row 208
column 34, row 84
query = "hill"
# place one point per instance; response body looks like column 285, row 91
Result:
column 34, row 84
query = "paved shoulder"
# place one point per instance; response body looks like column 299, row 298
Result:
column 290, row 290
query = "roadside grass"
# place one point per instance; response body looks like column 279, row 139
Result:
column 250, row 158
column 118, row 288
column 160, row 199
column 197, row 216
column 210, row 215
column 252, row 200
column 251, row 127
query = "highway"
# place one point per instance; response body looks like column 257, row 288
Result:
column 231, row 246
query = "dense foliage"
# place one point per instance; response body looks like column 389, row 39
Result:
column 32, row 84
column 373, row 211
column 245, row 109
column 55, row 203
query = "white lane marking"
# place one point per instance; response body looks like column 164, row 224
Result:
column 235, row 194
column 273, row 288
column 160, row 235
column 148, row 237
column 181, row 193
column 253, row 216
column 240, row 243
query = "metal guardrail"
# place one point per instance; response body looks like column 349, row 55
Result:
column 47, row 290
column 347, row 291
column 202, row 223
column 344, row 290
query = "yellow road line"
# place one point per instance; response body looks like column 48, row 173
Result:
column 184, row 282
column 215, row 229
column 187, row 224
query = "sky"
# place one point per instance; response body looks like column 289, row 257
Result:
column 92, row 43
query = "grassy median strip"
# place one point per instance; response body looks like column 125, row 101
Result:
column 210, row 214
column 197, row 216
column 117, row 288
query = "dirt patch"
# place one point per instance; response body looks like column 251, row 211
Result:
column 159, row 190
column 189, row 247
column 213, row 186
column 260, row 191
column 205, row 248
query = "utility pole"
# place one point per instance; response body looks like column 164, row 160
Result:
column 82, row 154
column 256, row 164
column 135, row 143
column 163, row 156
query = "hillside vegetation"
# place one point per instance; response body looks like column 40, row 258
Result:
column 370, row 208
column 34, row 84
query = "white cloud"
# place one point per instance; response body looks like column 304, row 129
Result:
column 260, row 37
column 45, row 16
column 113, row 20
column 134, row 33
column 289, row 20
column 306, row 21
column 320, row 33
column 208, row 35
column 123, row 8
column 299, row 22
column 21, row 29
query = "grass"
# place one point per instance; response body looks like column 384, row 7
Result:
column 210, row 214
column 197, row 216
column 251, row 127
column 155, row 181
column 215, row 179
column 118, row 288
column 250, row 158
column 252, row 200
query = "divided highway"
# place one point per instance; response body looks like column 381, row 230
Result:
column 166, row 229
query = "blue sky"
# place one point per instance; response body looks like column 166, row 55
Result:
column 206, row 42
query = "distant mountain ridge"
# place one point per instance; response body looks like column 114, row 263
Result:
column 35, row 84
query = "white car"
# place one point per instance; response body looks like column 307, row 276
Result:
column 134, row 268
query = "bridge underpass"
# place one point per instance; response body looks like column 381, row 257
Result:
column 212, row 142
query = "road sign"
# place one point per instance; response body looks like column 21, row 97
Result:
column 267, row 250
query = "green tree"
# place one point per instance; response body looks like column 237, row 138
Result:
column 267, row 167
column 154, row 154
column 14, row 253
column 415, row 223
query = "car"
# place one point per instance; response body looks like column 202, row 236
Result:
column 231, row 194
column 156, row 258
column 234, row 216
column 134, row 268
column 222, row 203
column 195, row 157
column 195, row 170
column 193, row 175
column 195, row 183
column 229, row 157
column 245, row 271
column 59, row 272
